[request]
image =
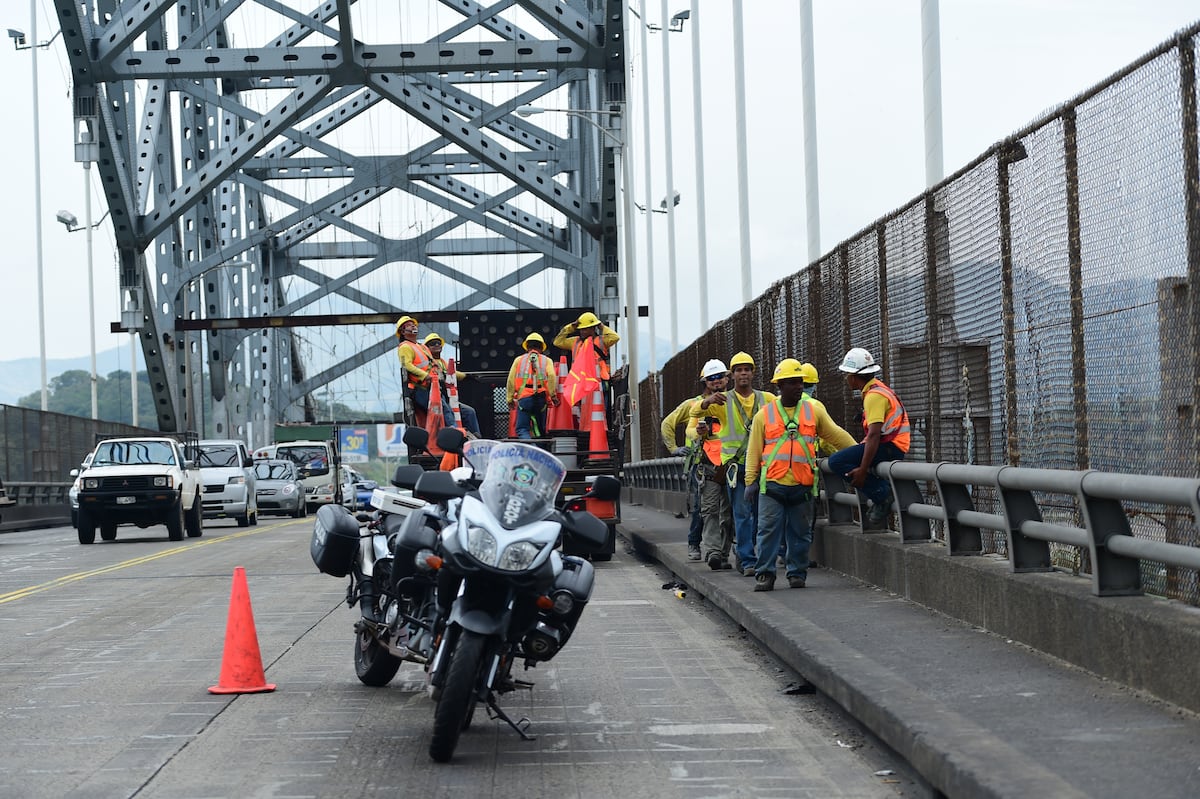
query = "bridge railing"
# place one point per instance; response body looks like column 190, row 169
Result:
column 1104, row 505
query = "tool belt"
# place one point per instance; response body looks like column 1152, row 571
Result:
column 717, row 474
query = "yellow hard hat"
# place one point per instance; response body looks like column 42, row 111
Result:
column 433, row 337
column 788, row 368
column 400, row 322
column 741, row 358
column 536, row 338
column 809, row 373
column 587, row 319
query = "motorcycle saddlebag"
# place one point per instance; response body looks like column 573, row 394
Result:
column 334, row 540
column 416, row 533
column 577, row 576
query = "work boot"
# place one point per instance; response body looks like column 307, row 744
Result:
column 764, row 581
column 795, row 581
column 748, row 571
column 715, row 560
column 694, row 552
column 725, row 564
column 879, row 512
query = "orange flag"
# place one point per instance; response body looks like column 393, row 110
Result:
column 582, row 380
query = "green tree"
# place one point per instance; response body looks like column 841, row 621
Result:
column 71, row 393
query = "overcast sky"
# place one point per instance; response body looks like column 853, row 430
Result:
column 1004, row 62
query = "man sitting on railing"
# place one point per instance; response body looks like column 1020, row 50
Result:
column 887, row 435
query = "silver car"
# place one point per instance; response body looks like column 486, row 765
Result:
column 279, row 489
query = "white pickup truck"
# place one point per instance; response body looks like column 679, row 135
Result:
column 143, row 481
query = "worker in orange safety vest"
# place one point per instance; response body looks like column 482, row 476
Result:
column 532, row 387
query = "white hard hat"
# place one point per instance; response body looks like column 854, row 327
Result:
column 713, row 368
column 859, row 362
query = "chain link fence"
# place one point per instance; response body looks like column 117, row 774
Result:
column 1040, row 307
column 43, row 447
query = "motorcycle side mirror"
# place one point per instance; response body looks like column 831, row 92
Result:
column 416, row 438
column 451, row 439
column 585, row 528
column 438, row 487
column 406, row 476
column 606, row 488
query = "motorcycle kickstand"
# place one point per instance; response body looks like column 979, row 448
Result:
column 519, row 726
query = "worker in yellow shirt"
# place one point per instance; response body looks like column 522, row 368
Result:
column 713, row 377
column 733, row 410
column 532, row 387
column 886, row 435
column 781, row 471
column 434, row 343
column 418, row 366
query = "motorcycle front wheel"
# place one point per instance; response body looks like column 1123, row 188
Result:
column 374, row 665
column 458, row 700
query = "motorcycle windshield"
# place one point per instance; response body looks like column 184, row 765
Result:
column 521, row 483
column 477, row 451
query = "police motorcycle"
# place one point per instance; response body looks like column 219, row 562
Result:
column 390, row 555
column 506, row 594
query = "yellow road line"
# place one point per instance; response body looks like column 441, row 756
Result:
column 21, row 593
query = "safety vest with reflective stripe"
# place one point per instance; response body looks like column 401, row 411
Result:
column 601, row 352
column 790, row 444
column 733, row 442
column 895, row 424
column 532, row 375
column 421, row 360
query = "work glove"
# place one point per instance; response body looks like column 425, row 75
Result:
column 751, row 492
column 680, row 452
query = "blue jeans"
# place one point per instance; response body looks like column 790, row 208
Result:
column 420, row 398
column 785, row 516
column 469, row 418
column 846, row 460
column 531, row 408
column 745, row 519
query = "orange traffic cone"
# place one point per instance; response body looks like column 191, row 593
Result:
column 560, row 416
column 435, row 419
column 241, row 664
column 598, row 443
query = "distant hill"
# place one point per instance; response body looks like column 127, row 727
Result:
column 23, row 376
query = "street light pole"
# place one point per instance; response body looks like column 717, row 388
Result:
column 37, row 205
column 69, row 220
column 739, row 85
column 698, row 130
column 87, row 221
column 646, row 159
column 672, row 283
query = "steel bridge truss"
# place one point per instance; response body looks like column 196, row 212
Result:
column 237, row 180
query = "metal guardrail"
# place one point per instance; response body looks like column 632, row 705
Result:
column 35, row 505
column 1106, row 535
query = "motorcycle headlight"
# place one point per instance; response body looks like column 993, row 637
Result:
column 481, row 545
column 564, row 603
column 518, row 556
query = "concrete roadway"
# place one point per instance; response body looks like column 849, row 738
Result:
column 107, row 651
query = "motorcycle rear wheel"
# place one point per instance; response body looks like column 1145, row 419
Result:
column 374, row 665
column 458, row 700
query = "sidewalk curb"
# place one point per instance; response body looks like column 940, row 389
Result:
column 955, row 755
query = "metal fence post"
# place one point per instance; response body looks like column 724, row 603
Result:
column 1075, row 270
column 1025, row 554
